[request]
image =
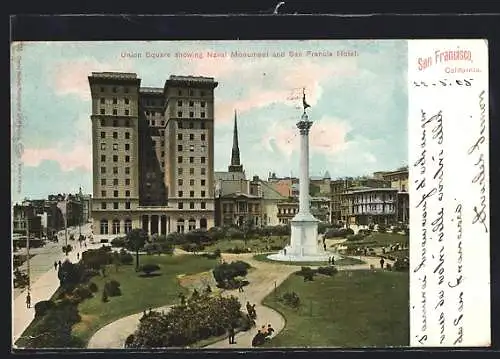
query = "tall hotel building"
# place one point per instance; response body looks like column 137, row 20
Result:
column 152, row 153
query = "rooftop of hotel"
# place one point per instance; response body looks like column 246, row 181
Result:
column 115, row 75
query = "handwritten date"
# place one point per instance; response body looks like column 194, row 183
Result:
column 444, row 83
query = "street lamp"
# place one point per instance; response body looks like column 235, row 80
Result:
column 28, row 251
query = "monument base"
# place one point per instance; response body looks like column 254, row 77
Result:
column 305, row 246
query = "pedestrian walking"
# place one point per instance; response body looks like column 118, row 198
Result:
column 240, row 287
column 324, row 246
column 231, row 335
column 333, row 260
column 59, row 264
column 382, row 263
column 28, row 300
column 55, row 265
column 78, row 256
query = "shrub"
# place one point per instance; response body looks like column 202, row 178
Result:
column 20, row 279
column 104, row 297
column 343, row 232
column 96, row 258
column 129, row 341
column 166, row 247
column 93, row 287
column 126, row 258
column 217, row 253
column 401, row 265
column 381, row 228
column 396, row 229
column 104, row 241
column 112, row 288
column 371, row 226
column 355, row 237
column 407, row 231
column 307, row 273
column 119, row 242
column 290, row 299
column 183, row 325
column 56, row 328
column 149, row 268
column 42, row 307
column 225, row 274
column 330, row 271
column 365, row 232
column 82, row 291
column 237, row 250
column 176, row 238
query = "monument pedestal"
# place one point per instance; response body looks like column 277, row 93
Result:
column 305, row 246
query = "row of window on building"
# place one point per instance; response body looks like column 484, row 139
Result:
column 378, row 208
column 242, row 207
column 287, row 210
column 373, row 198
column 115, row 122
column 126, row 135
column 180, row 171
column 127, row 227
column 115, row 158
column 191, row 205
column 115, row 146
column 180, row 159
column 126, row 112
column 191, row 193
column 114, row 101
column 115, row 182
column 180, row 182
column 116, row 205
column 191, row 125
column 115, row 170
column 191, row 138
column 115, row 193
column 180, row 92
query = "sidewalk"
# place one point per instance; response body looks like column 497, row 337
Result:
column 42, row 289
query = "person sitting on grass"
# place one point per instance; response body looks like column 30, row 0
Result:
column 270, row 331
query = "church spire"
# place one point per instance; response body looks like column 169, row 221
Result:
column 235, row 165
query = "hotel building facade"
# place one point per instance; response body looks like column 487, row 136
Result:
column 152, row 153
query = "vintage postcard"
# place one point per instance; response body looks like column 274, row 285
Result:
column 250, row 194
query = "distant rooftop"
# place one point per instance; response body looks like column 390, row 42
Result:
column 115, row 75
column 191, row 78
column 153, row 90
column 371, row 189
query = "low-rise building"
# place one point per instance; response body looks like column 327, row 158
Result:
column 367, row 205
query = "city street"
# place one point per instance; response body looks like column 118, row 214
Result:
column 44, row 280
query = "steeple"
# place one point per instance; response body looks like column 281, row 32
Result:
column 235, row 165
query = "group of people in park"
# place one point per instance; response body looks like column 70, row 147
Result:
column 263, row 334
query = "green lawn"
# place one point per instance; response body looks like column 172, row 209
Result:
column 255, row 244
column 376, row 239
column 138, row 293
column 346, row 261
column 351, row 309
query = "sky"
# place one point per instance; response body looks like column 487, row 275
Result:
column 358, row 105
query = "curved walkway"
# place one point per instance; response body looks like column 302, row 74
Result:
column 113, row 335
column 262, row 281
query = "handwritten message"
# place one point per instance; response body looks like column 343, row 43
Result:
column 449, row 199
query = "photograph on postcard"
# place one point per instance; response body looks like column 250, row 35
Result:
column 243, row 194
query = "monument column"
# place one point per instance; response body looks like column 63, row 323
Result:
column 304, row 125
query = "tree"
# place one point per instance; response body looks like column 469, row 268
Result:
column 137, row 238
column 247, row 228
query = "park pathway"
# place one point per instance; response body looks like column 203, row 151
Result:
column 263, row 279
